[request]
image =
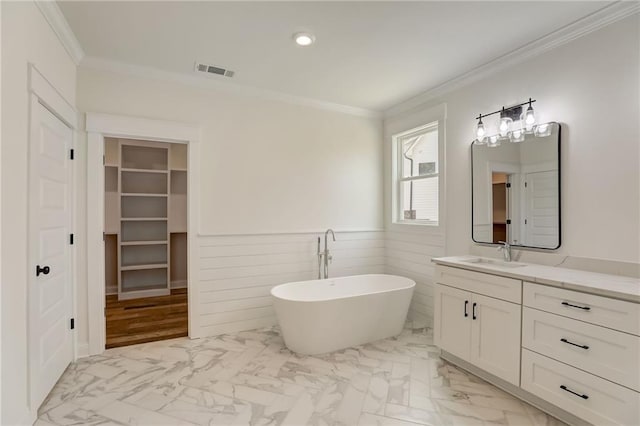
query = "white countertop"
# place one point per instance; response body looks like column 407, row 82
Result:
column 616, row 286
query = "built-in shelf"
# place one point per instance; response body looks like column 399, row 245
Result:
column 141, row 267
column 135, row 194
column 141, row 219
column 145, row 171
column 142, row 243
column 145, row 204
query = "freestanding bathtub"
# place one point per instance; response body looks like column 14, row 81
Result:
column 321, row 316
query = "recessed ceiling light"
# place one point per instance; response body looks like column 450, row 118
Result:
column 304, row 39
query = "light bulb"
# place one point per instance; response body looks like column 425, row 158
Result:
column 493, row 141
column 505, row 126
column 529, row 119
column 516, row 136
column 542, row 130
column 480, row 133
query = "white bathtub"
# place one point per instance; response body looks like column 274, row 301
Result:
column 321, row 316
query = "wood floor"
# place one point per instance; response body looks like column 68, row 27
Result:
column 148, row 319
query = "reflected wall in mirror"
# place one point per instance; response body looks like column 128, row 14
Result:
column 516, row 191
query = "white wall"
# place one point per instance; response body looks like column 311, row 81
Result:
column 270, row 171
column 409, row 248
column 267, row 166
column 591, row 86
column 26, row 37
column 238, row 272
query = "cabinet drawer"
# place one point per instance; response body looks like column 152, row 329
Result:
column 611, row 313
column 490, row 285
column 610, row 354
column 591, row 398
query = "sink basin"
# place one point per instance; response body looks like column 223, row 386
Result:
column 493, row 262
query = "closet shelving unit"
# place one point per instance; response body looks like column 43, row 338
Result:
column 145, row 211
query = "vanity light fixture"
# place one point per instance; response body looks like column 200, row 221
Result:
column 505, row 124
column 529, row 118
column 517, row 135
column 304, row 39
column 542, row 130
column 481, row 133
column 493, row 141
column 526, row 125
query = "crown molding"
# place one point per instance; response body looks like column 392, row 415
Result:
column 61, row 28
column 92, row 62
column 586, row 25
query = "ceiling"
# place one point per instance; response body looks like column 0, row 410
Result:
column 370, row 55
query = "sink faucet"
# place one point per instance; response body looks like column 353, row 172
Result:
column 327, row 256
column 506, row 250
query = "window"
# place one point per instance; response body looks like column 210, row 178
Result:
column 417, row 175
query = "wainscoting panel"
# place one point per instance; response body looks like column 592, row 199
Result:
column 238, row 272
column 409, row 255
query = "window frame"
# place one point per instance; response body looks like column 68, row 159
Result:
column 397, row 216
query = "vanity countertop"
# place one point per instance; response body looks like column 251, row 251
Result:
column 616, row 286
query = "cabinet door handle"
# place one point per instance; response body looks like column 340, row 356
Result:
column 473, row 310
column 466, row 302
column 563, row 340
column 584, row 308
column 566, row 389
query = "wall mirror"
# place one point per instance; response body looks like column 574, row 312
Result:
column 516, row 190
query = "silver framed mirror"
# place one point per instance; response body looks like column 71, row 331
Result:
column 516, row 190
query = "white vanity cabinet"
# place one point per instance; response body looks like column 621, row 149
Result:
column 477, row 328
column 574, row 353
column 579, row 351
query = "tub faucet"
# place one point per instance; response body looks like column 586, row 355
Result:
column 327, row 256
column 319, row 260
column 506, row 250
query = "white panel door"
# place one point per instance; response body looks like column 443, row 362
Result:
column 50, row 293
column 541, row 204
column 452, row 320
column 495, row 337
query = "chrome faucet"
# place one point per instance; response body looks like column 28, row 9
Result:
column 327, row 256
column 506, row 250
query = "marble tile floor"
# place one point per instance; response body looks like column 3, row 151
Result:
column 250, row 378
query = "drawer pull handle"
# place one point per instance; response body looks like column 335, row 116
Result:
column 574, row 344
column 583, row 396
column 466, row 302
column 584, row 308
column 473, row 310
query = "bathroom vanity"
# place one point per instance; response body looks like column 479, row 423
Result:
column 565, row 340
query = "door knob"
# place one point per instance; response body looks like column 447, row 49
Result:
column 42, row 270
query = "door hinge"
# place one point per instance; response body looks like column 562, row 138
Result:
column 71, row 154
column 525, row 184
column 73, row 323
column 508, row 185
column 71, row 239
column 508, row 221
column 104, row 161
column 525, row 221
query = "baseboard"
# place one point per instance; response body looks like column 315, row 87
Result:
column 516, row 391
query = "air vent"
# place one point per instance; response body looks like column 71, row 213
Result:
column 210, row 69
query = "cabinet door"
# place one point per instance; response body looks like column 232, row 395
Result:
column 495, row 337
column 453, row 320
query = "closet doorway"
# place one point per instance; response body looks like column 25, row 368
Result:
column 145, row 237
